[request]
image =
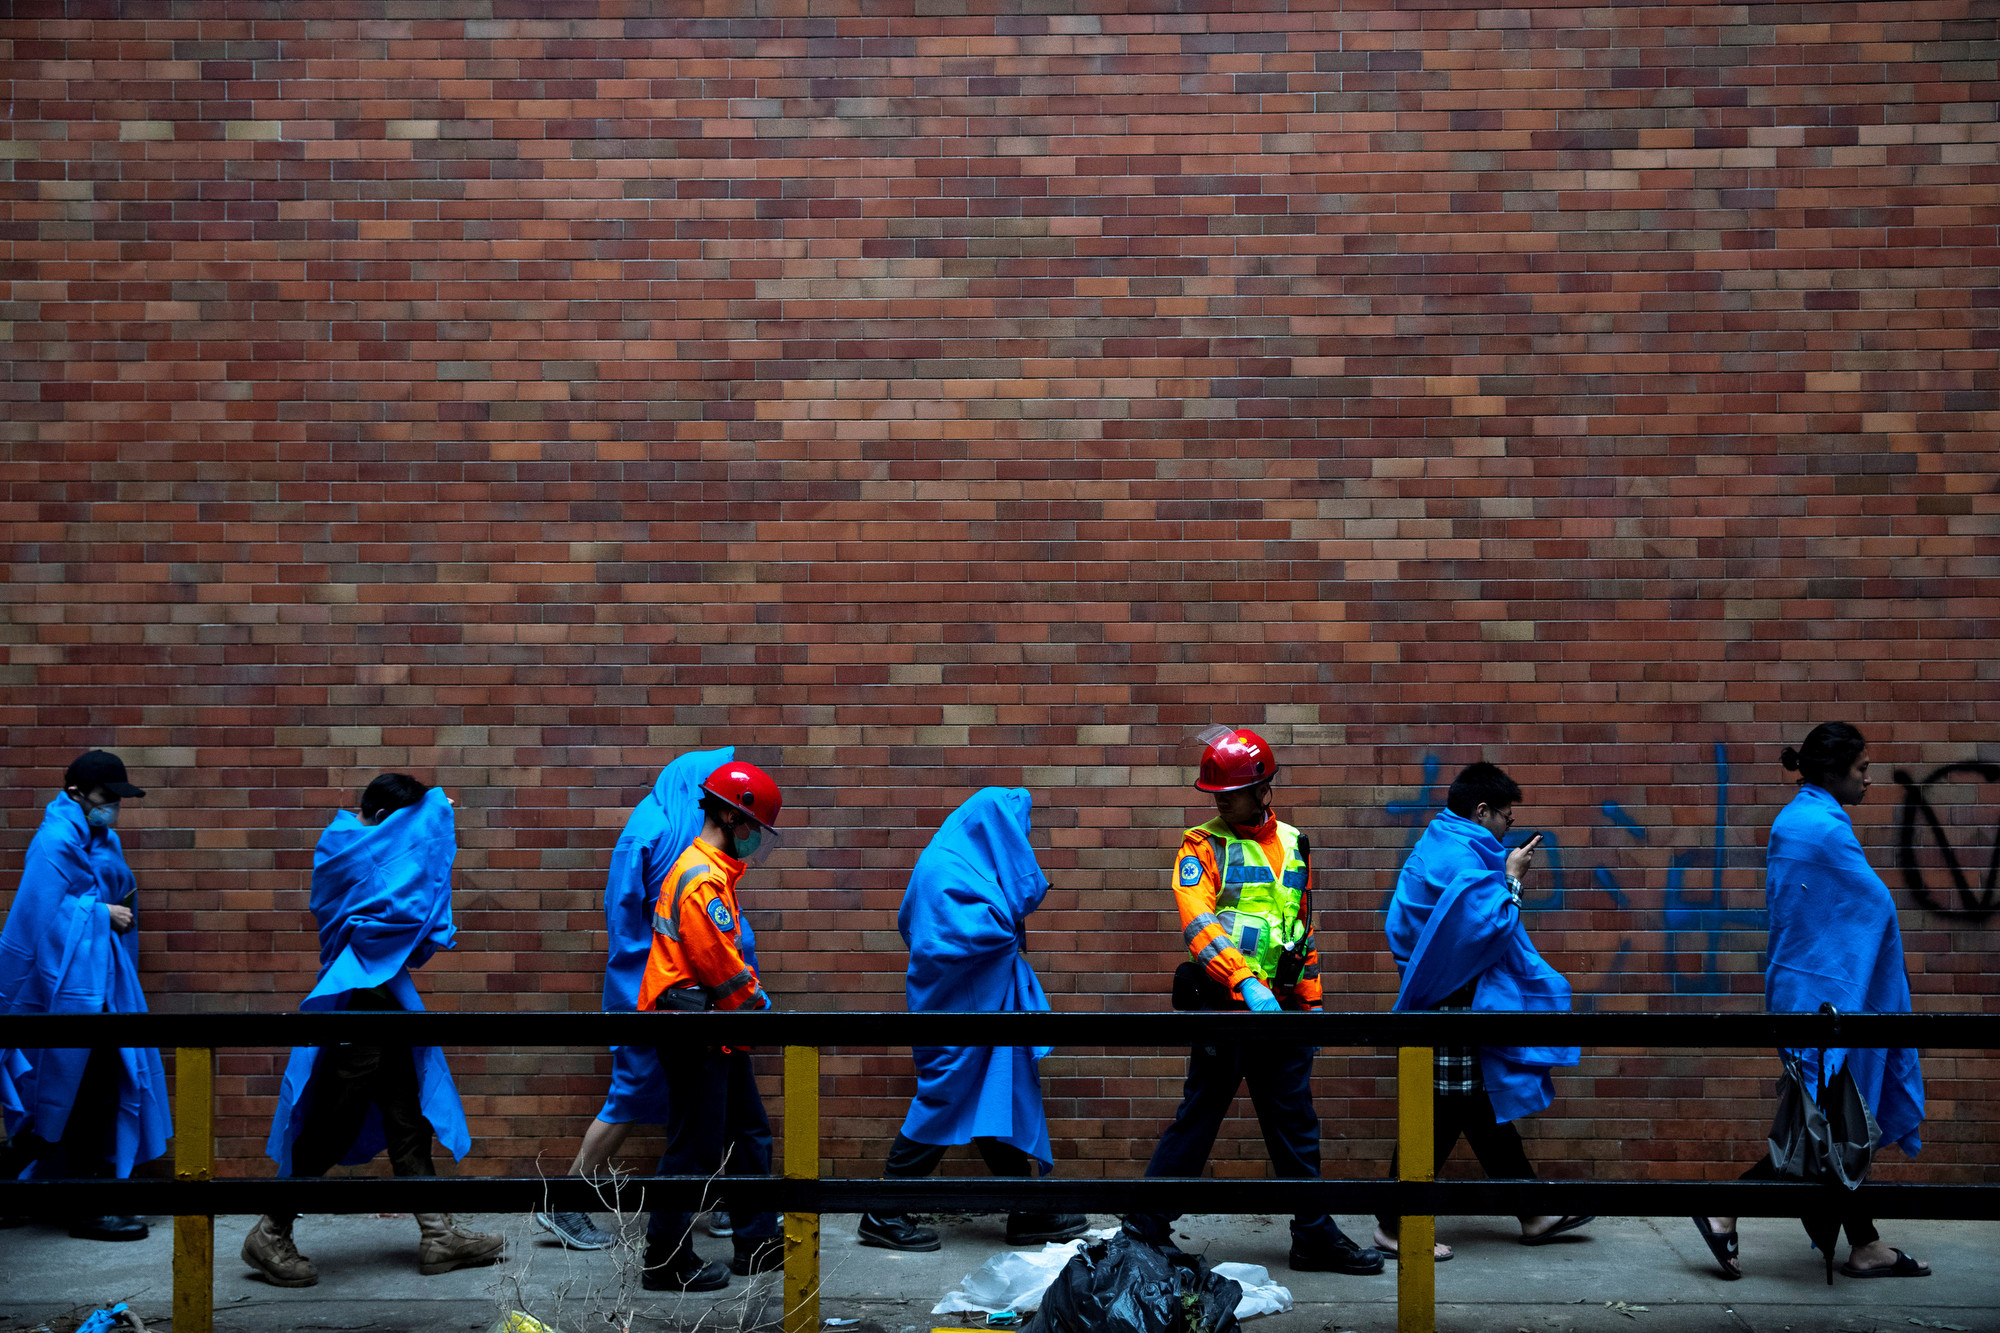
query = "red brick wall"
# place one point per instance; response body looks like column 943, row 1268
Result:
column 923, row 398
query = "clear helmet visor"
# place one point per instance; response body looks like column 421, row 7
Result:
column 1214, row 734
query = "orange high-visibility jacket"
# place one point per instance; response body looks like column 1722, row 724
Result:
column 698, row 932
column 1200, row 895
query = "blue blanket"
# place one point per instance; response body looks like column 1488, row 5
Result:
column 13, row 1066
column 59, row 955
column 1834, row 938
column 965, row 917
column 382, row 897
column 1451, row 922
column 659, row 829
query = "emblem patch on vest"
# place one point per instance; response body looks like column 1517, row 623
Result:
column 718, row 912
column 1190, row 871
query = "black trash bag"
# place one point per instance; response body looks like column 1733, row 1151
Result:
column 1126, row 1286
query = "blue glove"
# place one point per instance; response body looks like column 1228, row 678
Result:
column 1258, row 996
column 765, row 996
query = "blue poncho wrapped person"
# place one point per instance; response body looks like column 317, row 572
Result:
column 71, row 946
column 965, row 920
column 381, row 894
column 1456, row 933
column 1835, row 940
column 1455, row 923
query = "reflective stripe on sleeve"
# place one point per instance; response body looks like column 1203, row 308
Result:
column 736, row 983
column 1200, row 923
column 672, row 918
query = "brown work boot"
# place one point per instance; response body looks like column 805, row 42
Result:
column 445, row 1245
column 269, row 1249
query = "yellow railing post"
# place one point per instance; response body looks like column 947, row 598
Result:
column 801, row 1163
column 194, row 1159
column 1416, row 1275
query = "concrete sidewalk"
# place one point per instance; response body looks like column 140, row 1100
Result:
column 369, row 1281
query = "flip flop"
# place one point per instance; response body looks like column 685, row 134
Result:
column 1397, row 1255
column 1570, row 1223
column 1721, row 1246
column 1904, row 1266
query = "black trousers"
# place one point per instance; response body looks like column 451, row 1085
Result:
column 909, row 1159
column 1860, row 1230
column 348, row 1082
column 1280, row 1079
column 1498, row 1147
column 715, row 1126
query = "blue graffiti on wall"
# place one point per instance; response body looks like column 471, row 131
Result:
column 1708, row 918
column 1606, row 880
column 1420, row 808
column 1685, row 911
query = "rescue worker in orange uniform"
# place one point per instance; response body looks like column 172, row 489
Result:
column 1242, row 882
column 715, row 1117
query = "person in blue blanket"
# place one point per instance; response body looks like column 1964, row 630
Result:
column 1834, row 939
column 381, row 893
column 71, row 946
column 965, row 920
column 664, row 824
column 1456, row 933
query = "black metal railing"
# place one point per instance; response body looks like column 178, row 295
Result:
column 802, row 1194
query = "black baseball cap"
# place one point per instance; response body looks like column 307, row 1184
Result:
column 100, row 768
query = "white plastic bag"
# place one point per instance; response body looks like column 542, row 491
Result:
column 1260, row 1294
column 1014, row 1280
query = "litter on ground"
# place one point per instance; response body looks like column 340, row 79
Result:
column 1014, row 1282
column 1260, row 1294
column 1015, row 1279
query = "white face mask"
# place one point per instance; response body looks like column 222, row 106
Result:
column 102, row 816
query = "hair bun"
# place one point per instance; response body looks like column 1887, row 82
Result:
column 1790, row 759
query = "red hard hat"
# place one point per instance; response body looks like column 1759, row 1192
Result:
column 1239, row 759
column 748, row 788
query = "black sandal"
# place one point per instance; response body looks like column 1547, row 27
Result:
column 1722, row 1247
column 1561, row 1226
column 1904, row 1266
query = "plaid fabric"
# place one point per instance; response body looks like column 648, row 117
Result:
column 1457, row 1067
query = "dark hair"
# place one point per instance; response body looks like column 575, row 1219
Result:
column 389, row 793
column 1481, row 784
column 1830, row 750
column 721, row 811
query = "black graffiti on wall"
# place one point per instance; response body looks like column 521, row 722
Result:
column 1975, row 905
